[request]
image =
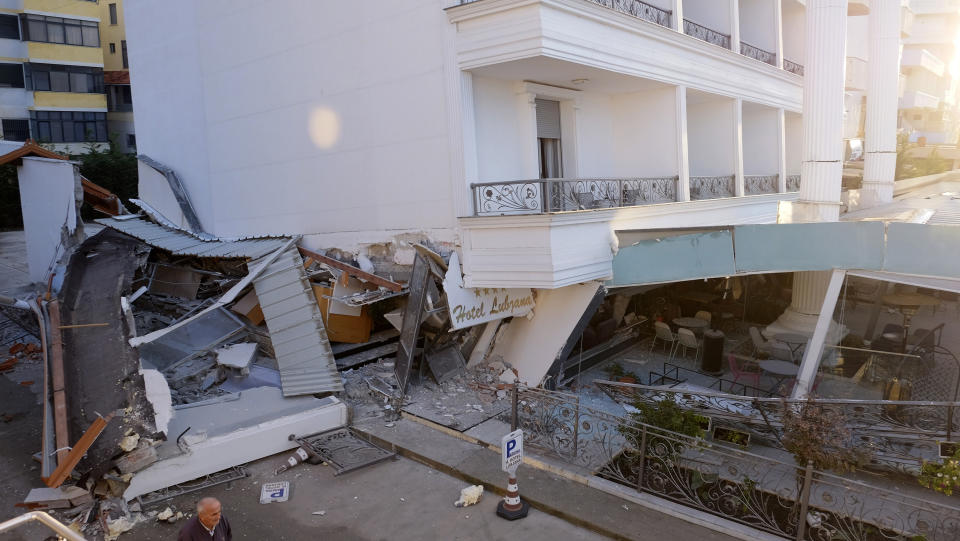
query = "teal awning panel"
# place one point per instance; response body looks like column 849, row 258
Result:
column 929, row 250
column 675, row 258
column 808, row 247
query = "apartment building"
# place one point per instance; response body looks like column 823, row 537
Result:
column 116, row 76
column 52, row 66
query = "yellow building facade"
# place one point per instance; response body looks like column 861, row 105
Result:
column 63, row 72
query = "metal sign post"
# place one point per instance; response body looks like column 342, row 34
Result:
column 511, row 451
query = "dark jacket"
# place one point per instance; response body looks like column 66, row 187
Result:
column 194, row 531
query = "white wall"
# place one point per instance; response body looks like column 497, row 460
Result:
column 14, row 102
column 498, row 117
column 645, row 133
column 297, row 117
column 858, row 35
column 594, row 137
column 794, row 28
column 758, row 24
column 710, row 141
column 50, row 196
column 714, row 14
column 760, row 136
column 793, row 136
column 154, row 188
column 853, row 112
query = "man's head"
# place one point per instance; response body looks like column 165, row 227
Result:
column 208, row 511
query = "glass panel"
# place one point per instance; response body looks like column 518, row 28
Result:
column 80, row 82
column 9, row 27
column 41, row 80
column 54, row 33
column 42, row 115
column 43, row 131
column 91, row 131
column 68, row 129
column 37, row 30
column 102, row 130
column 74, row 36
column 59, row 81
column 91, row 36
column 56, row 132
column 78, row 131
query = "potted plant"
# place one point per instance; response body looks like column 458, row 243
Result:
column 614, row 371
column 941, row 477
column 814, row 432
column 729, row 435
column 628, row 377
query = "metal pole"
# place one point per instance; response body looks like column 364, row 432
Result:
column 547, row 190
column 804, row 501
column 949, row 421
column 513, row 417
column 576, row 429
column 643, row 458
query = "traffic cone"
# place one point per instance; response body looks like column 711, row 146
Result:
column 511, row 507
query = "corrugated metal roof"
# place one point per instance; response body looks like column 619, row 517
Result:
column 303, row 352
column 183, row 243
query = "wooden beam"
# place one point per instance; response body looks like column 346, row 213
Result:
column 351, row 270
column 64, row 468
column 57, row 377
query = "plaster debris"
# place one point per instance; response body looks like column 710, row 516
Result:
column 166, row 514
column 238, row 356
column 129, row 443
column 469, row 496
column 320, row 513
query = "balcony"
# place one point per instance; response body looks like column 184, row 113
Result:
column 856, row 74
column 921, row 100
column 922, row 58
column 757, row 53
column 793, row 67
column 561, row 195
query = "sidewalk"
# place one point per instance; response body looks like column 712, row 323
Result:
column 548, row 491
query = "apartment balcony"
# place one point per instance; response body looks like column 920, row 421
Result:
column 625, row 36
column 919, row 100
column 906, row 21
column 922, row 58
column 856, row 74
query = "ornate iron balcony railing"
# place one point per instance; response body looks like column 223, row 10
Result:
column 641, row 10
column 703, row 473
column 793, row 183
column 793, row 67
column 757, row 53
column 562, row 194
column 712, row 187
column 758, row 184
column 709, row 35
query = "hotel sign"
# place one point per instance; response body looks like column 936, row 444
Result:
column 473, row 306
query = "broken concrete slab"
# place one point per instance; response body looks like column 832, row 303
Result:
column 259, row 376
column 137, row 459
column 175, row 281
column 238, row 356
column 158, row 394
column 57, row 498
column 216, row 435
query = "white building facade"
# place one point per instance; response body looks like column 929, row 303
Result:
column 521, row 133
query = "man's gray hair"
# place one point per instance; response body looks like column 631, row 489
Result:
column 206, row 501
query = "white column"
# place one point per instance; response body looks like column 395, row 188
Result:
column 883, row 73
column 778, row 24
column 683, row 155
column 676, row 20
column 823, row 84
column 527, row 108
column 738, row 147
column 814, row 352
column 822, row 167
column 735, row 25
column 781, row 149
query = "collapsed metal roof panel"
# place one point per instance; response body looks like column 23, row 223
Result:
column 182, row 243
column 299, row 338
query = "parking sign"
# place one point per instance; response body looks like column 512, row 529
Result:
column 511, row 451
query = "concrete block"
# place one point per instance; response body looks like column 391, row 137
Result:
column 237, row 356
column 137, row 460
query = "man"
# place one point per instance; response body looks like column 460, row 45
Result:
column 207, row 525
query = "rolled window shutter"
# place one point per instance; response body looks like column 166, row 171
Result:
column 548, row 119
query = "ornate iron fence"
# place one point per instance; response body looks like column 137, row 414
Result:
column 559, row 195
column 712, row 187
column 758, row 184
column 709, row 35
column 793, row 183
column 757, row 53
column 759, row 491
column 793, row 67
column 900, row 435
column 641, row 10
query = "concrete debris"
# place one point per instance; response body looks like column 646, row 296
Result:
column 136, row 460
column 320, row 513
column 57, row 498
column 469, row 496
column 169, row 515
column 238, row 356
column 129, row 443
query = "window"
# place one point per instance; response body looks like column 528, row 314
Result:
column 11, row 75
column 9, row 27
column 119, row 98
column 69, row 126
column 15, row 129
column 131, row 142
column 57, row 78
column 113, row 14
column 123, row 51
column 113, row 48
column 60, row 30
